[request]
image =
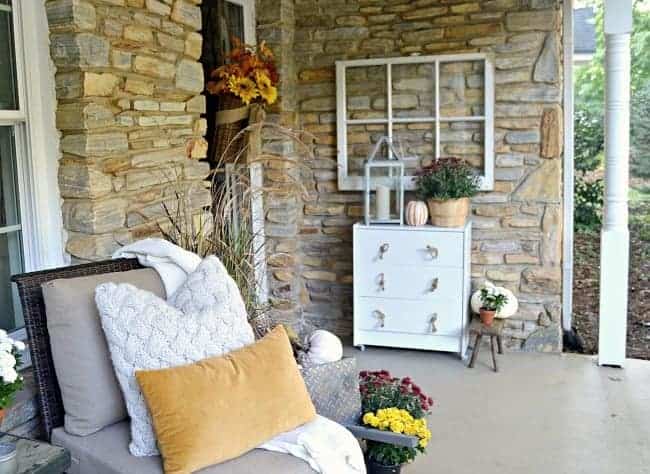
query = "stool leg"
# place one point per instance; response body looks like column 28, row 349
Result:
column 477, row 345
column 494, row 355
column 500, row 342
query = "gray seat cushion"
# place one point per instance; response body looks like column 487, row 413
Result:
column 91, row 395
column 107, row 452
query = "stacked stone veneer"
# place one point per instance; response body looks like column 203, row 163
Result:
column 517, row 227
column 128, row 86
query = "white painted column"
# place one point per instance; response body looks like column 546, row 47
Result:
column 615, row 238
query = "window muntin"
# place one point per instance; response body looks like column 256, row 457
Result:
column 432, row 106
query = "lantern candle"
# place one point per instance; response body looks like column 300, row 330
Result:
column 383, row 202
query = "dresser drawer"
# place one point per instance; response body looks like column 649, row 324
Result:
column 408, row 247
column 410, row 317
column 425, row 283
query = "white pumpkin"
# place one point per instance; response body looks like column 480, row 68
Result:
column 324, row 347
column 509, row 309
column 416, row 213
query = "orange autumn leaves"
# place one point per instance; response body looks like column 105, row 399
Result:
column 250, row 74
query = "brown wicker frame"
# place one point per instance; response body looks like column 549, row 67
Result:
column 31, row 297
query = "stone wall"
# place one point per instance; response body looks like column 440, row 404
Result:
column 128, row 86
column 517, row 227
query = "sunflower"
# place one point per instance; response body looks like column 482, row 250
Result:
column 243, row 88
column 267, row 91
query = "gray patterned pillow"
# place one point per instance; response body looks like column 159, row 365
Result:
column 145, row 332
column 334, row 390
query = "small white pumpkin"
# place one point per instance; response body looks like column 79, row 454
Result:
column 324, row 347
column 416, row 213
column 507, row 311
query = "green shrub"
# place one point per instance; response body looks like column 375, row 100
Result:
column 588, row 203
column 589, row 139
column 640, row 132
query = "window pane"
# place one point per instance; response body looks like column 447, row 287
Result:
column 416, row 143
column 8, row 87
column 222, row 22
column 365, row 88
column 413, row 88
column 11, row 263
column 11, row 257
column 8, row 191
column 234, row 19
column 461, row 89
column 361, row 142
column 464, row 140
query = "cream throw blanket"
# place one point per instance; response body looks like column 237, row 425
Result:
column 325, row 445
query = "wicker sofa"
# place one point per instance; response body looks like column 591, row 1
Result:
column 106, row 452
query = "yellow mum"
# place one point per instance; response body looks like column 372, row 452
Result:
column 399, row 421
column 243, row 88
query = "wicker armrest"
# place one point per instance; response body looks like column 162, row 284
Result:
column 372, row 434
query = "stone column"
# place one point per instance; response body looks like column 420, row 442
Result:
column 128, row 87
column 615, row 239
column 276, row 26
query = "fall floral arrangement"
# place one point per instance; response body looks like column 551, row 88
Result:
column 10, row 381
column 250, row 75
column 397, row 405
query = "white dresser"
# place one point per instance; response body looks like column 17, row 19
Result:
column 412, row 287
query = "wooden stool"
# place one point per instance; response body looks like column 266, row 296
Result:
column 495, row 332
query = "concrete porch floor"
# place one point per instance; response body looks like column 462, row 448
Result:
column 542, row 413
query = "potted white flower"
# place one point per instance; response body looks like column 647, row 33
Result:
column 10, row 380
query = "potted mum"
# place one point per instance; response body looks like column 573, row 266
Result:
column 11, row 382
column 491, row 303
column 447, row 185
column 397, row 405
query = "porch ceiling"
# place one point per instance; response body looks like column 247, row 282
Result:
column 541, row 413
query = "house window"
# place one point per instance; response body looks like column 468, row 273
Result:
column 12, row 149
column 430, row 106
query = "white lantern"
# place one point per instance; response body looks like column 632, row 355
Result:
column 384, row 185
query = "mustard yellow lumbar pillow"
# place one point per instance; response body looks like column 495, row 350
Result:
column 219, row 408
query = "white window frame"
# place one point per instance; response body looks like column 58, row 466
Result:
column 355, row 183
column 36, row 141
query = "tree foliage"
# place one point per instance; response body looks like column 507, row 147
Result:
column 590, row 79
column 589, row 138
column 640, row 130
column 589, row 116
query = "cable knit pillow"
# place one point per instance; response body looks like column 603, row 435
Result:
column 205, row 317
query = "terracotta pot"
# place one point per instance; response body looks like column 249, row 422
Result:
column 487, row 316
column 2, row 415
column 376, row 468
column 449, row 213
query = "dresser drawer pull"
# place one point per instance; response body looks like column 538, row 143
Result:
column 382, row 250
column 382, row 282
column 381, row 317
column 434, row 285
column 433, row 252
column 432, row 322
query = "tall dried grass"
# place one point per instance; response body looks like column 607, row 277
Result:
column 232, row 228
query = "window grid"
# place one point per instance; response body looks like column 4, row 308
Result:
column 347, row 182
